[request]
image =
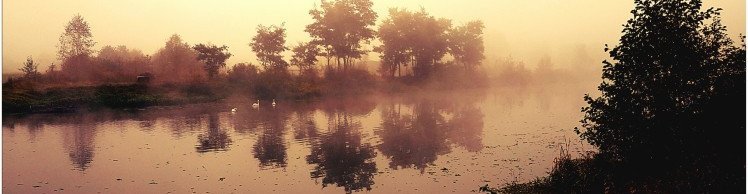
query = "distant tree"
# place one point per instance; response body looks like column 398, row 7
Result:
column 213, row 56
column 341, row 26
column 52, row 68
column 29, row 69
column 672, row 104
column 395, row 51
column 466, row 44
column 305, row 55
column 413, row 39
column 177, row 62
column 120, row 64
column 242, row 73
column 76, row 40
column 75, row 49
column 268, row 45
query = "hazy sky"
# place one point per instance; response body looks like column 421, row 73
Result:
column 522, row 29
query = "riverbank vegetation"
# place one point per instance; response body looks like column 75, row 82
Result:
column 671, row 114
column 435, row 55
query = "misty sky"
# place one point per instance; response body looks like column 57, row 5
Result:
column 523, row 29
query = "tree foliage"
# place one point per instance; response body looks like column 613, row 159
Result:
column 466, row 44
column 177, row 62
column 29, row 69
column 667, row 98
column 268, row 45
column 341, row 27
column 242, row 71
column 120, row 64
column 305, row 55
column 413, row 39
column 76, row 40
column 213, row 56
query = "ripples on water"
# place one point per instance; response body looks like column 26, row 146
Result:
column 433, row 143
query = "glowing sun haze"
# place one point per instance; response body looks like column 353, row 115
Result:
column 524, row 30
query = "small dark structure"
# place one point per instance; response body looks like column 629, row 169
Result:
column 144, row 78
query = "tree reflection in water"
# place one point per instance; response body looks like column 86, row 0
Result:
column 414, row 136
column 80, row 145
column 270, row 148
column 340, row 156
column 466, row 128
column 215, row 139
column 79, row 139
column 413, row 140
column 304, row 126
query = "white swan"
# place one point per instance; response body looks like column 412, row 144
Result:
column 273, row 102
column 233, row 110
column 256, row 104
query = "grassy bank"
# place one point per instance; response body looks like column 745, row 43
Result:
column 66, row 99
column 586, row 174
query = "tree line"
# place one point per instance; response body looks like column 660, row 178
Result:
column 414, row 46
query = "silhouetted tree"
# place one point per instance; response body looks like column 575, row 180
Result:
column 413, row 39
column 213, row 56
column 120, row 64
column 341, row 26
column 76, row 40
column 466, row 44
column 305, row 56
column 394, row 49
column 176, row 62
column 662, row 114
column 75, row 49
column 242, row 74
column 268, row 45
column 52, row 68
column 29, row 69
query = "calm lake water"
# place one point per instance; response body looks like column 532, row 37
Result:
column 432, row 143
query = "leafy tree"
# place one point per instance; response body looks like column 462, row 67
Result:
column 75, row 49
column 413, row 39
column 394, row 49
column 29, row 69
column 466, row 44
column 268, row 45
column 120, row 64
column 305, row 55
column 213, row 56
column 341, row 26
column 177, row 62
column 76, row 40
column 242, row 73
column 662, row 110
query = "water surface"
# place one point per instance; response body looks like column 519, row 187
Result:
column 434, row 143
